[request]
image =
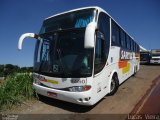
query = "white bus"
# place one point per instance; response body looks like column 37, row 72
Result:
column 155, row 56
column 82, row 55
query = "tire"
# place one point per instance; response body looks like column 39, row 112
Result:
column 135, row 70
column 114, row 85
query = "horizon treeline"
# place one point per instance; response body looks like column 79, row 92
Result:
column 7, row 69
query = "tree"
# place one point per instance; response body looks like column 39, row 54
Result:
column 10, row 69
column 1, row 70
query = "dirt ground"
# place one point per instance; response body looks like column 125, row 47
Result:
column 123, row 102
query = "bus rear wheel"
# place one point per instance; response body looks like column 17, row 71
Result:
column 135, row 70
column 114, row 85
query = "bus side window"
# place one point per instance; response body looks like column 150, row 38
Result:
column 123, row 41
column 115, row 34
column 102, row 42
column 128, row 42
column 100, row 57
column 131, row 44
column 104, row 27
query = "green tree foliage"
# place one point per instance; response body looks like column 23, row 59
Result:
column 26, row 69
column 8, row 69
column 1, row 70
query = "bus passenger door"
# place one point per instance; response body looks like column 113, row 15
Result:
column 100, row 71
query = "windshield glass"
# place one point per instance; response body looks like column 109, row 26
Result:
column 61, row 51
column 76, row 19
column 62, row 54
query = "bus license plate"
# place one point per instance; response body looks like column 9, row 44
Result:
column 52, row 94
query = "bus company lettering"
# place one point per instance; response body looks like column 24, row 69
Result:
column 125, row 55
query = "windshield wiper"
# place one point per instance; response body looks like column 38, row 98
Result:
column 42, row 61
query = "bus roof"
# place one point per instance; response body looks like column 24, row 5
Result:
column 155, row 51
column 73, row 11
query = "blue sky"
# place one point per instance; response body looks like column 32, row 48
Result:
column 140, row 18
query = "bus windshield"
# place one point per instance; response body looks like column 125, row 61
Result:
column 62, row 54
column 76, row 19
column 61, row 51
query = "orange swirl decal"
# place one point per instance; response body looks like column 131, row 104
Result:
column 124, row 65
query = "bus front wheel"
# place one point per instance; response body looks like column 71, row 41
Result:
column 114, row 85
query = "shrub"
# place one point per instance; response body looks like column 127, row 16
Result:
column 16, row 89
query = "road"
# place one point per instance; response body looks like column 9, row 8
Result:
column 123, row 102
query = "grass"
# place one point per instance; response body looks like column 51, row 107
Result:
column 16, row 89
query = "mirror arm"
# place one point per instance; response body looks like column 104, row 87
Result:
column 26, row 35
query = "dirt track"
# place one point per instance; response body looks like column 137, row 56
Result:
column 123, row 102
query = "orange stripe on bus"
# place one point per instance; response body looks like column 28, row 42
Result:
column 122, row 63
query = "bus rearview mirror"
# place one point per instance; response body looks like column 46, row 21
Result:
column 26, row 35
column 90, row 35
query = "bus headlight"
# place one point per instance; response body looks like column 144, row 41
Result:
column 80, row 88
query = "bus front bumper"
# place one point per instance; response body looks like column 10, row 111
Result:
column 82, row 98
column 155, row 61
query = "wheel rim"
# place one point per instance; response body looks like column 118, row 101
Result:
column 113, row 84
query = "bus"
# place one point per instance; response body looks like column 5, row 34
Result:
column 155, row 56
column 145, row 57
column 82, row 55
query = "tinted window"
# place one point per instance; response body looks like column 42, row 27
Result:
column 104, row 28
column 62, row 54
column 132, row 45
column 100, row 57
column 102, row 42
column 123, row 42
column 137, row 48
column 76, row 19
column 130, row 39
column 128, row 42
column 115, row 34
